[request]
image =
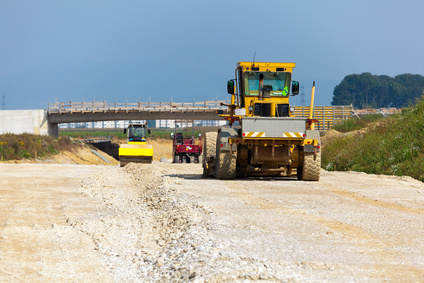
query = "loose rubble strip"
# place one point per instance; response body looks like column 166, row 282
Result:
column 147, row 233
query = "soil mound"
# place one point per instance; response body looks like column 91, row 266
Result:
column 329, row 135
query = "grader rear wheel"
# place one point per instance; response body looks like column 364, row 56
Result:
column 310, row 171
column 209, row 151
column 226, row 166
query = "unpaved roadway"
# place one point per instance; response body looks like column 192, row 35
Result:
column 162, row 222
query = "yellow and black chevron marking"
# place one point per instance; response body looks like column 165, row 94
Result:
column 254, row 134
column 292, row 135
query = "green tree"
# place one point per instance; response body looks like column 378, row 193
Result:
column 372, row 91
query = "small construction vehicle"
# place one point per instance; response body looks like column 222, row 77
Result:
column 136, row 150
column 184, row 149
column 263, row 137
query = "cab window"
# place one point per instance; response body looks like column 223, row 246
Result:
column 278, row 83
column 137, row 134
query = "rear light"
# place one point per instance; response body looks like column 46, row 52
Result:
column 222, row 144
column 318, row 146
column 304, row 135
column 243, row 134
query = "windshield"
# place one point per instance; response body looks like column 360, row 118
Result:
column 277, row 83
column 137, row 134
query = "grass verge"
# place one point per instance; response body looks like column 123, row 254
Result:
column 393, row 146
column 357, row 123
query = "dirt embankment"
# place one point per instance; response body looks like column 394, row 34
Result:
column 161, row 148
column 84, row 155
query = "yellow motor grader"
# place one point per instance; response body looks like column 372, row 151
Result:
column 263, row 137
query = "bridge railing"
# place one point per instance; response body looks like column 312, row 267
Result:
column 70, row 106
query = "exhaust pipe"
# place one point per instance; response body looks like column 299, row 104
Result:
column 311, row 109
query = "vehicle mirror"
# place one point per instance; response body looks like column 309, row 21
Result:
column 230, row 86
column 172, row 135
column 148, row 132
column 295, row 88
column 125, row 131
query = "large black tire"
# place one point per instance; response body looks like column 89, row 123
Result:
column 209, row 151
column 184, row 159
column 225, row 162
column 311, row 167
column 176, row 159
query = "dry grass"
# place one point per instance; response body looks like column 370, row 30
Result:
column 23, row 146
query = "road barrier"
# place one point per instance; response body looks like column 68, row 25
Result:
column 327, row 116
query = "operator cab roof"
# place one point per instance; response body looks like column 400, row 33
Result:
column 266, row 66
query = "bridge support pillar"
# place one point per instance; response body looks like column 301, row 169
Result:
column 53, row 129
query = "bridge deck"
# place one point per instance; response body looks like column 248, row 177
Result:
column 69, row 112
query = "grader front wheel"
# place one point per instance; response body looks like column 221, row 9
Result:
column 209, row 151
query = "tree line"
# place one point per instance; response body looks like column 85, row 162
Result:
column 373, row 91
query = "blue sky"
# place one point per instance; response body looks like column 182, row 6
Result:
column 140, row 50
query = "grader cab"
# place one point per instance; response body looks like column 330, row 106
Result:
column 263, row 137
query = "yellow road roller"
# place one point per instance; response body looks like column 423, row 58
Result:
column 136, row 150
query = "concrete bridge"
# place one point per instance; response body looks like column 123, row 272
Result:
column 74, row 112
column 46, row 121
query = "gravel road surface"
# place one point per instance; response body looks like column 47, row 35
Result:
column 162, row 223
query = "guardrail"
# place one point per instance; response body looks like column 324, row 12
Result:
column 96, row 139
column 327, row 116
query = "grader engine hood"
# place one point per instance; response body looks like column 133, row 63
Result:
column 272, row 127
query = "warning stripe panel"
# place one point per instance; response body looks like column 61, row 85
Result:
column 292, row 135
column 262, row 135
column 254, row 134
